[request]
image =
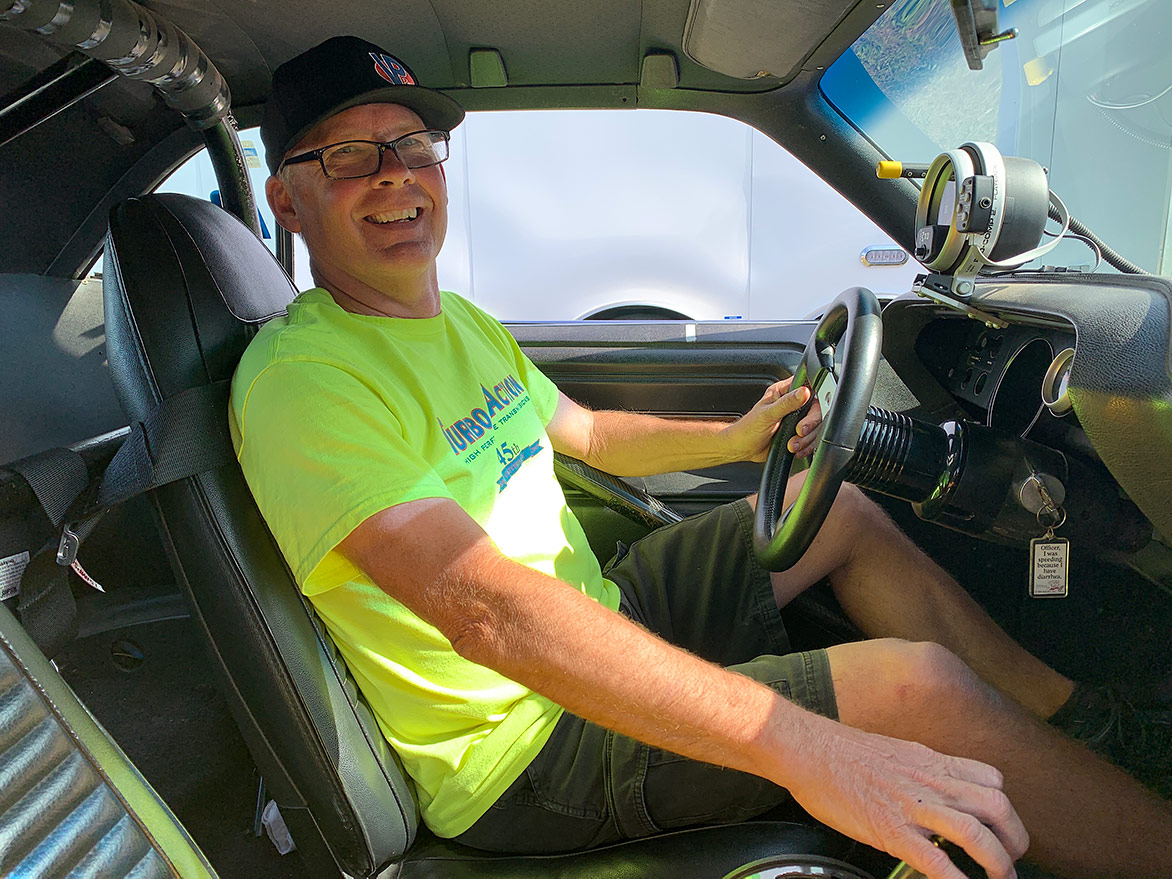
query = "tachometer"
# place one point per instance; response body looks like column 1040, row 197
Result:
column 1056, row 384
column 1014, row 405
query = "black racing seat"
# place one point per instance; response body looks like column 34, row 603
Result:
column 186, row 287
column 71, row 804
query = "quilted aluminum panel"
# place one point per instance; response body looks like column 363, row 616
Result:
column 58, row 815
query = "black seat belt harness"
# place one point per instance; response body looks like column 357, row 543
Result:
column 183, row 436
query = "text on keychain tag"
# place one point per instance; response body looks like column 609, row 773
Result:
column 1049, row 566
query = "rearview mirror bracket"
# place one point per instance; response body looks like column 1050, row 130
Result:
column 976, row 22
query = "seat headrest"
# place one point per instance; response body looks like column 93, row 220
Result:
column 186, row 285
column 252, row 283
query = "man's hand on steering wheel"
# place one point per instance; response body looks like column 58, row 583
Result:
column 752, row 433
column 839, row 364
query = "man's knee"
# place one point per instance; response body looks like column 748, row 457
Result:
column 855, row 516
column 907, row 677
column 933, row 671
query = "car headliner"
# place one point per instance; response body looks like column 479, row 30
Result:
column 120, row 141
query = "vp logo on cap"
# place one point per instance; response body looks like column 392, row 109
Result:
column 391, row 70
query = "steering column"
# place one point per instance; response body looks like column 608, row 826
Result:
column 977, row 480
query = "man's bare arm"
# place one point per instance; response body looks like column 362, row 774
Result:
column 544, row 634
column 632, row 444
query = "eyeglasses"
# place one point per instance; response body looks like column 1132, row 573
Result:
column 363, row 158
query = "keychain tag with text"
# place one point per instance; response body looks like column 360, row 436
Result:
column 1049, row 566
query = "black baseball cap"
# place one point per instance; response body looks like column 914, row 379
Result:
column 340, row 73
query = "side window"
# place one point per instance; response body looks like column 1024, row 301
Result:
column 570, row 214
column 560, row 215
column 809, row 243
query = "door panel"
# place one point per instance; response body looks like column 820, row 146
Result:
column 669, row 368
column 673, row 368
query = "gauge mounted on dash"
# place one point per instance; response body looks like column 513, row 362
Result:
column 1013, row 403
column 978, row 213
column 1056, row 384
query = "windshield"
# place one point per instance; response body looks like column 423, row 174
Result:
column 1085, row 89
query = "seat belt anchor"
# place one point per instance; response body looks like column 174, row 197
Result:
column 68, row 546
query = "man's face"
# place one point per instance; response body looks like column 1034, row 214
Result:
column 363, row 229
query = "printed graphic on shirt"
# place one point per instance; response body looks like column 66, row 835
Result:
column 512, row 458
column 474, row 434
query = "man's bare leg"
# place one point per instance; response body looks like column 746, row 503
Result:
column 890, row 589
column 1085, row 817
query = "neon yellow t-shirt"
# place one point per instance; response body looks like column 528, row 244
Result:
column 336, row 416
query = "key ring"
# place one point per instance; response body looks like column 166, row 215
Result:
column 1060, row 512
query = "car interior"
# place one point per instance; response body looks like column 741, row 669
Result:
column 195, row 715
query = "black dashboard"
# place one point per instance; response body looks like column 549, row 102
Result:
column 1112, row 337
column 995, row 373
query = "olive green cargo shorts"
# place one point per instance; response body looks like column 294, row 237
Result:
column 698, row 585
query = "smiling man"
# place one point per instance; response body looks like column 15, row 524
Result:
column 400, row 446
column 360, row 241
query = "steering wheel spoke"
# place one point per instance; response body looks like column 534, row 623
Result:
column 825, row 387
column 853, row 325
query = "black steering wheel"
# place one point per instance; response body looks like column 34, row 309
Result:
column 853, row 324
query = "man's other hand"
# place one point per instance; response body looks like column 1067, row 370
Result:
column 753, row 432
column 895, row 795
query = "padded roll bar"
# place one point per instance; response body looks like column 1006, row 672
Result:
column 138, row 44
